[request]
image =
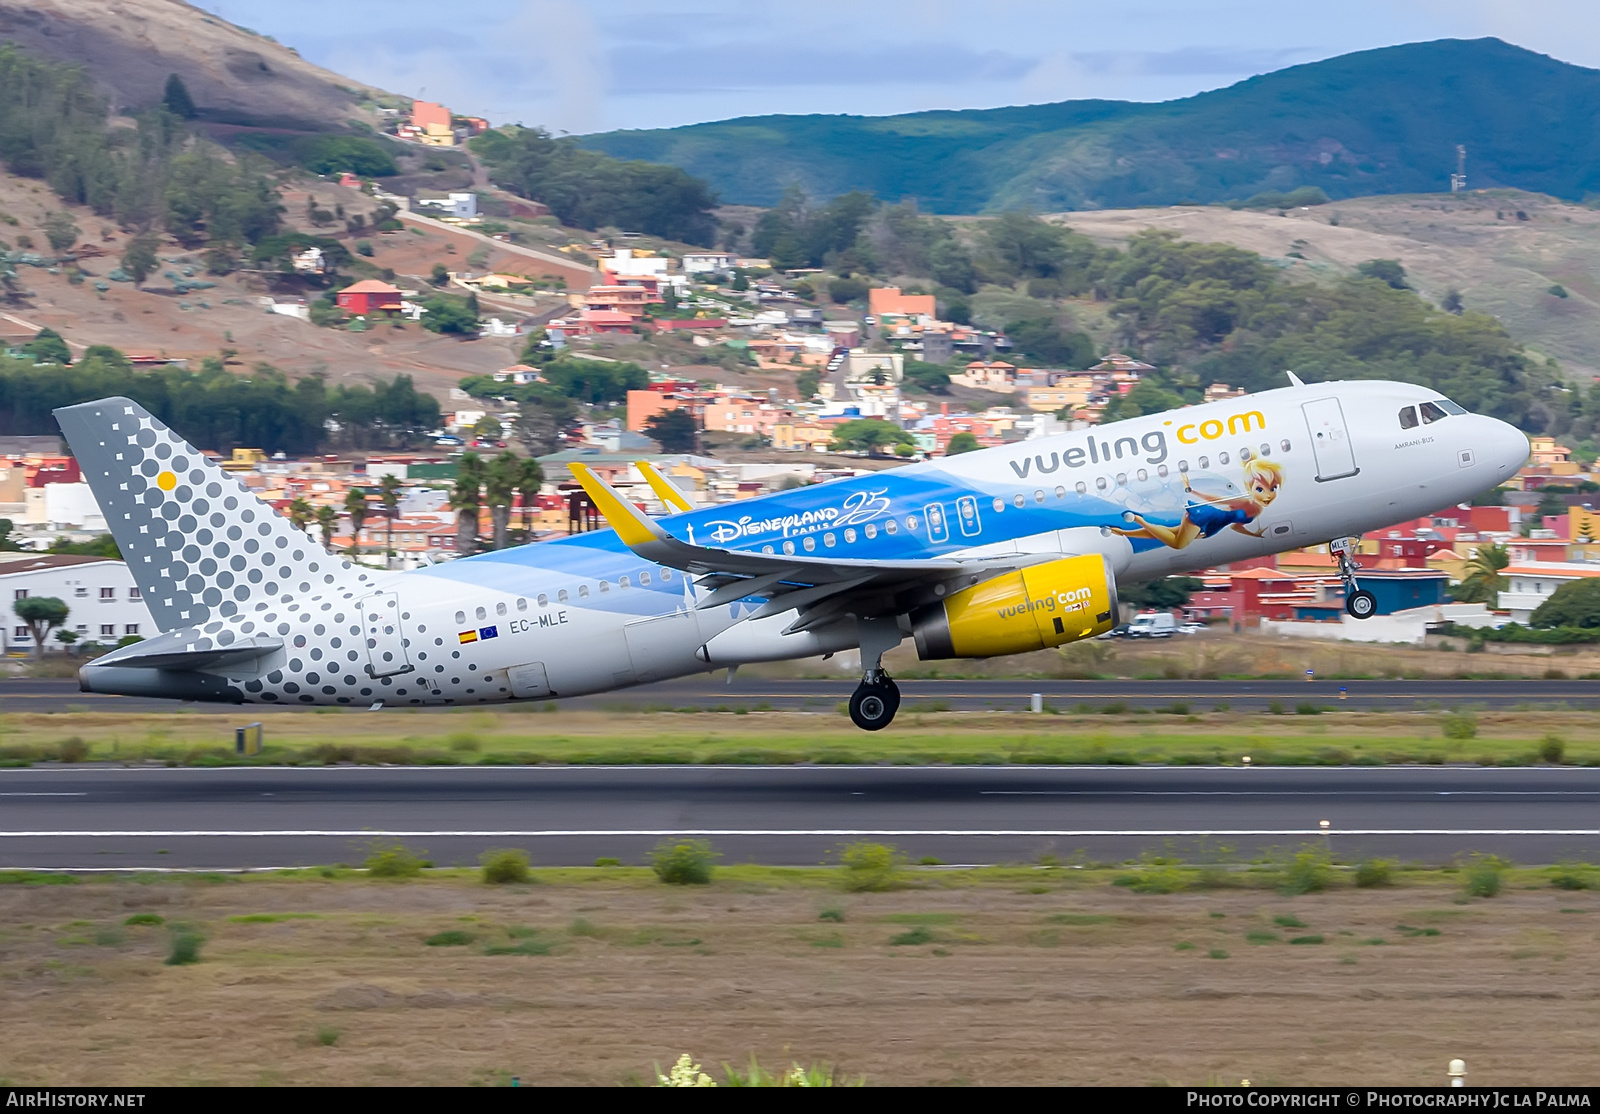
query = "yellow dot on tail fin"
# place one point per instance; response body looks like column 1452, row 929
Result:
column 166, row 481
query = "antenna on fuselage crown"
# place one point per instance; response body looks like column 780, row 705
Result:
column 1294, row 380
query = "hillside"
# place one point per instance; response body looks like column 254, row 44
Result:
column 1374, row 122
column 1471, row 242
column 234, row 75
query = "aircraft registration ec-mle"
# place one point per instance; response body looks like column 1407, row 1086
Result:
column 1000, row 551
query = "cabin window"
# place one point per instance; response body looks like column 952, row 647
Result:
column 623, row 582
column 1142, row 475
column 1061, row 492
column 583, row 591
column 1161, row 470
column 461, row 618
column 1038, row 496
column 850, row 534
column 1100, row 483
column 1081, row 488
column 891, row 527
column 911, row 522
column 482, row 614
column 870, row 530
column 828, row 539
column 666, row 575
column 522, row 603
column 788, row 547
column 1244, row 455
column 1222, row 458
column 1019, row 499
column 1284, row 445
column 1203, row 463
column 605, row 586
column 544, row 600
column 500, row 608
column 562, row 597
column 1431, row 413
column 1266, row 449
column 1408, row 417
column 766, row 549
column 644, row 580
column 810, row 543
column 999, row 505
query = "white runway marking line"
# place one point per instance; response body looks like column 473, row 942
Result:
column 1277, row 792
column 44, row 794
column 569, row 833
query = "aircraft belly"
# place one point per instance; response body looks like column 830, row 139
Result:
column 593, row 657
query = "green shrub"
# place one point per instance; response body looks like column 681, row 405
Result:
column 836, row 915
column 1308, row 872
column 72, row 750
column 392, row 859
column 327, row 1036
column 1218, row 953
column 1484, row 875
column 916, row 936
column 507, row 864
column 452, row 938
column 683, row 862
column 185, row 947
column 606, row 860
column 1460, row 725
column 1374, row 872
column 1288, row 920
column 1261, row 936
column 1574, row 876
column 1552, row 749
column 870, row 867
column 145, row 918
column 1307, row 940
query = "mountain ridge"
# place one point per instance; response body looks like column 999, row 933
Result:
column 1377, row 121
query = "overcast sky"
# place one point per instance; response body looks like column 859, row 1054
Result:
column 582, row 65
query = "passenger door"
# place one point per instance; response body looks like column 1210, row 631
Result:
column 1330, row 440
column 386, row 649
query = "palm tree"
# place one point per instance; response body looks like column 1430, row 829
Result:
column 355, row 505
column 300, row 513
column 389, row 492
column 327, row 521
column 1483, row 582
column 500, row 487
column 529, row 481
column 466, row 499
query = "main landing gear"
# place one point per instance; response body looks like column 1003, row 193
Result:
column 875, row 701
column 877, row 697
column 1358, row 602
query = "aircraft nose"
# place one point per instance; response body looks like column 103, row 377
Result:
column 1505, row 446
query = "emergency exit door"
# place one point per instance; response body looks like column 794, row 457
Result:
column 1330, row 440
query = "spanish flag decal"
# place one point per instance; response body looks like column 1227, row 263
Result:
column 468, row 636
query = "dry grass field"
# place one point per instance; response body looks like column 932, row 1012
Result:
column 1041, row 975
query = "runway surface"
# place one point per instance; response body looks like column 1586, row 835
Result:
column 100, row 818
column 712, row 692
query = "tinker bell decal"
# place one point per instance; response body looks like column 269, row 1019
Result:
column 1206, row 517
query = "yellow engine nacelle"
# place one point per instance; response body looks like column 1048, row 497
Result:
column 1039, row 606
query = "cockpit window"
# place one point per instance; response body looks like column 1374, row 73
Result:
column 1449, row 407
column 1408, row 417
column 1431, row 412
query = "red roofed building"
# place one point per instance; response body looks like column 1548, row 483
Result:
column 369, row 296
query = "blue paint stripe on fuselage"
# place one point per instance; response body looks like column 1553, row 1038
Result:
column 815, row 512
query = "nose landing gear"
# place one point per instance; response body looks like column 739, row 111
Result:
column 1358, row 602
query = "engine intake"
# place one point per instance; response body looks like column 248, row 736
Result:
column 1033, row 608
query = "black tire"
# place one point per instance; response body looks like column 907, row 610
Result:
column 1361, row 605
column 872, row 707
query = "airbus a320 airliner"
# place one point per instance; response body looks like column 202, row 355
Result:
column 1002, row 551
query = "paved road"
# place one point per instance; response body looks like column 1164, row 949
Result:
column 233, row 818
column 709, row 692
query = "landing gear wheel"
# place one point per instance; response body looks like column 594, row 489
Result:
column 872, row 707
column 1361, row 605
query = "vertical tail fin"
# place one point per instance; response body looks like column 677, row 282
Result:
column 198, row 542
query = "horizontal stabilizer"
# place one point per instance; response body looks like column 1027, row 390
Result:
column 187, row 652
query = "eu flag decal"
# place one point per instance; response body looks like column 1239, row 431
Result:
column 488, row 632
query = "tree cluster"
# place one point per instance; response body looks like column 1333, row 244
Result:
column 586, row 189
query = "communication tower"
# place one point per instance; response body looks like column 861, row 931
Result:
column 1458, row 180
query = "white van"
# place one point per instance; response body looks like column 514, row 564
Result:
column 1153, row 624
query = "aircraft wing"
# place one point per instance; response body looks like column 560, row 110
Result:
column 822, row 589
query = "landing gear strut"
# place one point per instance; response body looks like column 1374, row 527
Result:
column 1358, row 602
column 877, row 697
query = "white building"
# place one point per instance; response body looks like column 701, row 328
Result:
column 708, row 262
column 1531, row 584
column 456, row 206
column 64, row 507
column 103, row 603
